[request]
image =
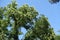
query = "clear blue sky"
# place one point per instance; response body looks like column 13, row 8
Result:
column 52, row 11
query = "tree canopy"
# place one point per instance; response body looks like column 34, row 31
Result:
column 24, row 16
column 41, row 30
column 54, row 1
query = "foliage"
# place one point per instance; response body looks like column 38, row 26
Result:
column 24, row 16
column 54, row 1
column 3, row 25
column 17, row 18
column 57, row 37
column 42, row 30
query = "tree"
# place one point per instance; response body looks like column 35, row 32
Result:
column 20, row 17
column 54, row 1
column 3, row 25
column 57, row 37
column 24, row 16
column 41, row 30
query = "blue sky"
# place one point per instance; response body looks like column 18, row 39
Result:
column 52, row 11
